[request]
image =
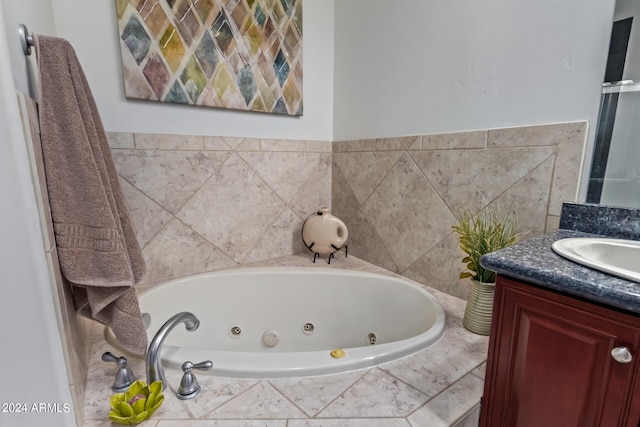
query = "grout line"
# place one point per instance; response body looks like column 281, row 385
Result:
column 444, row 390
column 146, row 196
column 551, row 186
column 212, row 172
column 466, row 414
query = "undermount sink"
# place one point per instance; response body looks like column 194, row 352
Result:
column 613, row 256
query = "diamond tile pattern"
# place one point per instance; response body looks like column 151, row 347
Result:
column 227, row 201
column 238, row 189
column 399, row 195
column 394, row 398
column 402, row 204
column 169, row 177
column 217, row 53
column 459, row 175
column 204, row 203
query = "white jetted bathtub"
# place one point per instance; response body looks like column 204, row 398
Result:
column 281, row 321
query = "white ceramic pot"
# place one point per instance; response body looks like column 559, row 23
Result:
column 324, row 233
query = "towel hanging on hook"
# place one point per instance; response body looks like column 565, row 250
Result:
column 26, row 39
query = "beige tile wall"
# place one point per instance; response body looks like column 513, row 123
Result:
column 204, row 203
column 398, row 196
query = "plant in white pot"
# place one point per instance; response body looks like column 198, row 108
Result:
column 488, row 231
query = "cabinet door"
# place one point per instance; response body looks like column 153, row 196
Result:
column 550, row 362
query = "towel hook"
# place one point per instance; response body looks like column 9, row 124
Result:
column 26, row 39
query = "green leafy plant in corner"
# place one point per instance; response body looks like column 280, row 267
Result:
column 488, row 231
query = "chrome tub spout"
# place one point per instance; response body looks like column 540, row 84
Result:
column 154, row 365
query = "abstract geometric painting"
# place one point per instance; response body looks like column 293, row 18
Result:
column 235, row 54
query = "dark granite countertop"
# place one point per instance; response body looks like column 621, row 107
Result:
column 534, row 261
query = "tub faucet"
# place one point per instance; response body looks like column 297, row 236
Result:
column 154, row 366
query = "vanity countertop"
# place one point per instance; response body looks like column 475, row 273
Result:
column 534, row 261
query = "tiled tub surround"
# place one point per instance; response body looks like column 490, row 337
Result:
column 398, row 196
column 438, row 386
column 203, row 203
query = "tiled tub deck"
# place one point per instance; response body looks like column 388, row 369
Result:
column 438, row 386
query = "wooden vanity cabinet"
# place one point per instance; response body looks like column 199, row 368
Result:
column 550, row 361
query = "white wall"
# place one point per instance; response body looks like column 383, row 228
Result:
column 96, row 42
column 32, row 368
column 36, row 15
column 416, row 67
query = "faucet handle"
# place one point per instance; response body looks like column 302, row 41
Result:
column 189, row 386
column 202, row 366
column 124, row 375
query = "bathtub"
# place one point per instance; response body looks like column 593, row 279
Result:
column 300, row 321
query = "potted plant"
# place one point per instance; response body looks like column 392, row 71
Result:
column 488, row 231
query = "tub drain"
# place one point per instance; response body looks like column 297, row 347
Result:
column 371, row 338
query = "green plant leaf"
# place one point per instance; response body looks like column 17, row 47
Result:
column 136, row 388
column 140, row 417
column 125, row 409
column 139, row 405
column 117, row 418
column 488, row 231
column 158, row 402
column 115, row 400
column 155, row 387
column 155, row 390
